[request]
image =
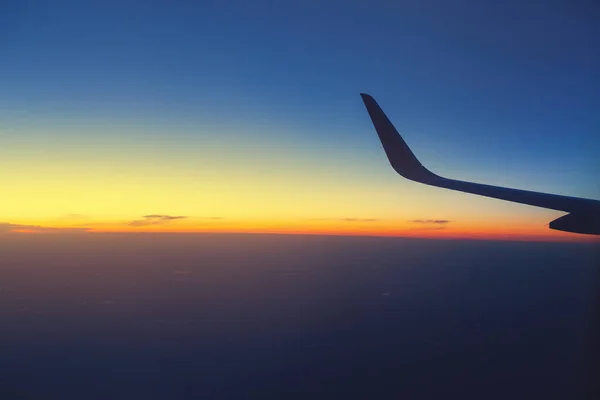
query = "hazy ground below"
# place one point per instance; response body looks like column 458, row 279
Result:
column 176, row 316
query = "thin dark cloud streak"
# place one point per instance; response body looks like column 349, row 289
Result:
column 430, row 221
column 163, row 217
column 155, row 219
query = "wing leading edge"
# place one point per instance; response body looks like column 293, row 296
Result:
column 584, row 213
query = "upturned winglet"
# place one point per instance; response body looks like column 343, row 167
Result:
column 398, row 153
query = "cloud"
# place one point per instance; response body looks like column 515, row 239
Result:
column 428, row 228
column 430, row 221
column 430, row 224
column 163, row 217
column 6, row 227
column 155, row 219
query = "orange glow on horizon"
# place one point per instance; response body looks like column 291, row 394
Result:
column 339, row 227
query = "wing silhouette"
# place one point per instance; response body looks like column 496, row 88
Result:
column 584, row 213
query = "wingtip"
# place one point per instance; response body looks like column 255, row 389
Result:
column 399, row 154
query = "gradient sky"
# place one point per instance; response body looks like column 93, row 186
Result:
column 246, row 115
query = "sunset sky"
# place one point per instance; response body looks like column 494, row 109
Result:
column 245, row 116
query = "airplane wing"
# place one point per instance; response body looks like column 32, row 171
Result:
column 406, row 164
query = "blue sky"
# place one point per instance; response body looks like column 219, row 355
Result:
column 503, row 93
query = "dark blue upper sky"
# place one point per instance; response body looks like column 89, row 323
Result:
column 502, row 92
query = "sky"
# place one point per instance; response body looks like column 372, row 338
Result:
column 237, row 116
